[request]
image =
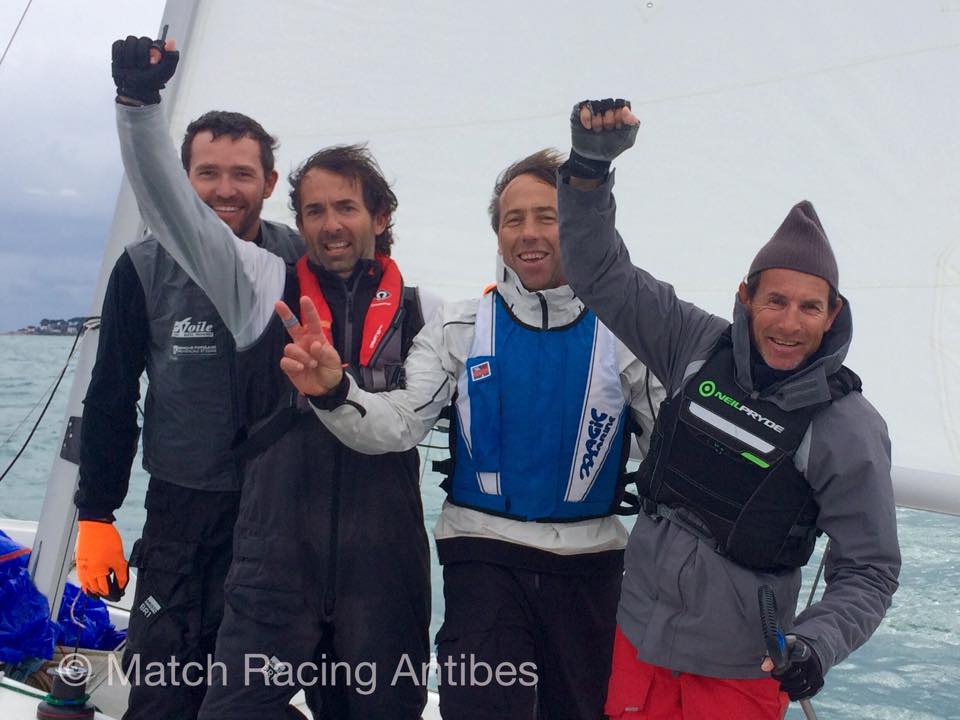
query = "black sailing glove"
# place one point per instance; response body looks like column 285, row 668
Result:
column 592, row 151
column 134, row 75
column 803, row 676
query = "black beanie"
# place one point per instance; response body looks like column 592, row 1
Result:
column 799, row 244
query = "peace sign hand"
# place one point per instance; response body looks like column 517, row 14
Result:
column 310, row 361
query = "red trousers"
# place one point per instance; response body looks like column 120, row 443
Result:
column 641, row 691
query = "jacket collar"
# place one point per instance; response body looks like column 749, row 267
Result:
column 365, row 273
column 541, row 309
column 807, row 385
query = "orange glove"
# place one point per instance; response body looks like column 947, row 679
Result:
column 101, row 567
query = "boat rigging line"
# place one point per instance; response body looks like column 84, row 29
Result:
column 89, row 323
column 816, row 580
column 26, row 418
column 19, row 23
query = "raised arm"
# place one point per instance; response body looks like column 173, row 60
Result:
column 664, row 332
column 241, row 279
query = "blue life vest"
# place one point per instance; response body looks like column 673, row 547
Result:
column 540, row 418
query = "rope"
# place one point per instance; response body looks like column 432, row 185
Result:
column 7, row 48
column 27, row 416
column 816, row 580
column 426, row 456
column 88, row 324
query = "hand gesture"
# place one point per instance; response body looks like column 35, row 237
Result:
column 310, row 361
column 600, row 130
column 141, row 67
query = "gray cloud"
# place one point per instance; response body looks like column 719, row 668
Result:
column 58, row 144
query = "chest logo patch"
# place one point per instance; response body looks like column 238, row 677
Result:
column 187, row 329
column 481, row 371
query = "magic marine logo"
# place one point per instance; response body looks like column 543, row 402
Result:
column 188, row 329
column 597, row 432
column 708, row 389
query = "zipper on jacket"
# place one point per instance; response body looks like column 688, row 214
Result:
column 348, row 292
column 236, row 411
column 545, row 321
column 330, row 595
column 330, row 592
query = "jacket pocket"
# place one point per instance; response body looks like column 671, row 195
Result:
column 165, row 617
column 630, row 682
column 264, row 582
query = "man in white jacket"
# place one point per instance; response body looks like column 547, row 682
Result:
column 531, row 548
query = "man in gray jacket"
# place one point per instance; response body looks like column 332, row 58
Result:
column 156, row 318
column 329, row 584
column 764, row 441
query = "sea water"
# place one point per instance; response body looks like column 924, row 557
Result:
column 910, row 669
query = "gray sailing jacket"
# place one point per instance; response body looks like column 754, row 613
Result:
column 682, row 605
column 192, row 409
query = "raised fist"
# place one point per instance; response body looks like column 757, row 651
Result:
column 141, row 68
column 600, row 130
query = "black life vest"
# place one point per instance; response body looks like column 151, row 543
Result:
column 721, row 464
column 381, row 358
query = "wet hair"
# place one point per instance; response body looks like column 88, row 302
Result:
column 236, row 125
column 543, row 165
column 356, row 163
column 753, row 282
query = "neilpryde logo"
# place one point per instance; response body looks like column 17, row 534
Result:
column 708, row 388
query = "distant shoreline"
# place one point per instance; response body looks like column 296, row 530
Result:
column 53, row 327
column 27, row 333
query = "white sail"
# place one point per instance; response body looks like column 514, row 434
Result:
column 747, row 107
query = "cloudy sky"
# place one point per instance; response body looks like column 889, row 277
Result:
column 59, row 150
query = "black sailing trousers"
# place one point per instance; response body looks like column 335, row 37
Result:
column 182, row 559
column 329, row 590
column 523, row 645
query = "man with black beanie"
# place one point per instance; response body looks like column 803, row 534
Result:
column 764, row 442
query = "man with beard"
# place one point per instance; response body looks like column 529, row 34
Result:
column 329, row 585
column 764, row 442
column 156, row 318
column 543, row 396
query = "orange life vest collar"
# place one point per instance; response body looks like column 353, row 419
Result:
column 381, row 312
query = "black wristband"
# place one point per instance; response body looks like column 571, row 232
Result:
column 149, row 97
column 96, row 516
column 586, row 168
column 334, row 398
column 129, row 101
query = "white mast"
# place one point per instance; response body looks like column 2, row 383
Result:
column 52, row 554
